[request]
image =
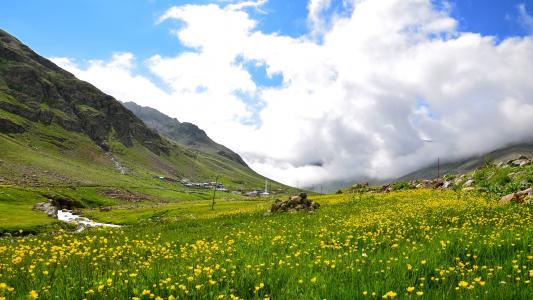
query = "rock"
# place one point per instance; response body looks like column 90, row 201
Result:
column 525, row 163
column 525, row 196
column 526, row 192
column 514, row 197
column 299, row 207
column 9, row 126
column 295, row 200
column 47, row 208
column 523, row 157
column 294, row 204
column 468, row 183
column 525, row 183
column 520, row 162
column 447, row 184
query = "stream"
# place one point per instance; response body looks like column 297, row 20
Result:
column 82, row 222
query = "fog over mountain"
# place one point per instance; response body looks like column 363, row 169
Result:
column 376, row 90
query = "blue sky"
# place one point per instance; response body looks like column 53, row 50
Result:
column 94, row 29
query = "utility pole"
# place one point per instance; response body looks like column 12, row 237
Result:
column 438, row 167
column 214, row 192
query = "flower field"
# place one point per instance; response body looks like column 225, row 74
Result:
column 414, row 244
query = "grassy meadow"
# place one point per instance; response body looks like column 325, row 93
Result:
column 411, row 244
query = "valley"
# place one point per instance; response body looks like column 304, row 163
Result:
column 103, row 196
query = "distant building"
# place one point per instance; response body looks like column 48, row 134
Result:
column 252, row 194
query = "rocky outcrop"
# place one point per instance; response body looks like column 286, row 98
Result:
column 46, row 207
column 295, row 203
column 8, row 126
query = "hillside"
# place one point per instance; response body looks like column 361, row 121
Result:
column 470, row 164
column 62, row 138
column 183, row 133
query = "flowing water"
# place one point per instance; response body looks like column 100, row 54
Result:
column 82, row 222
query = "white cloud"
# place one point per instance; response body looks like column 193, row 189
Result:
column 315, row 10
column 525, row 19
column 385, row 76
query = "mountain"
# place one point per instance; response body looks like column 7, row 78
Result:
column 58, row 131
column 469, row 164
column 183, row 133
column 34, row 88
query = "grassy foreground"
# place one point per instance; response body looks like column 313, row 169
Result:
column 412, row 244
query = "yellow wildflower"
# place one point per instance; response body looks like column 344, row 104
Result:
column 389, row 294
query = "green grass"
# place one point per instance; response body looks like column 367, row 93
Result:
column 17, row 214
column 502, row 181
column 172, row 212
column 443, row 244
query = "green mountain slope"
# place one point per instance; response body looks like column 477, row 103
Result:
column 186, row 134
column 469, row 164
column 63, row 138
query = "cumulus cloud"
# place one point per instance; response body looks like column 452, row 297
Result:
column 386, row 75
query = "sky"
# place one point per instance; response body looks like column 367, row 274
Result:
column 308, row 92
